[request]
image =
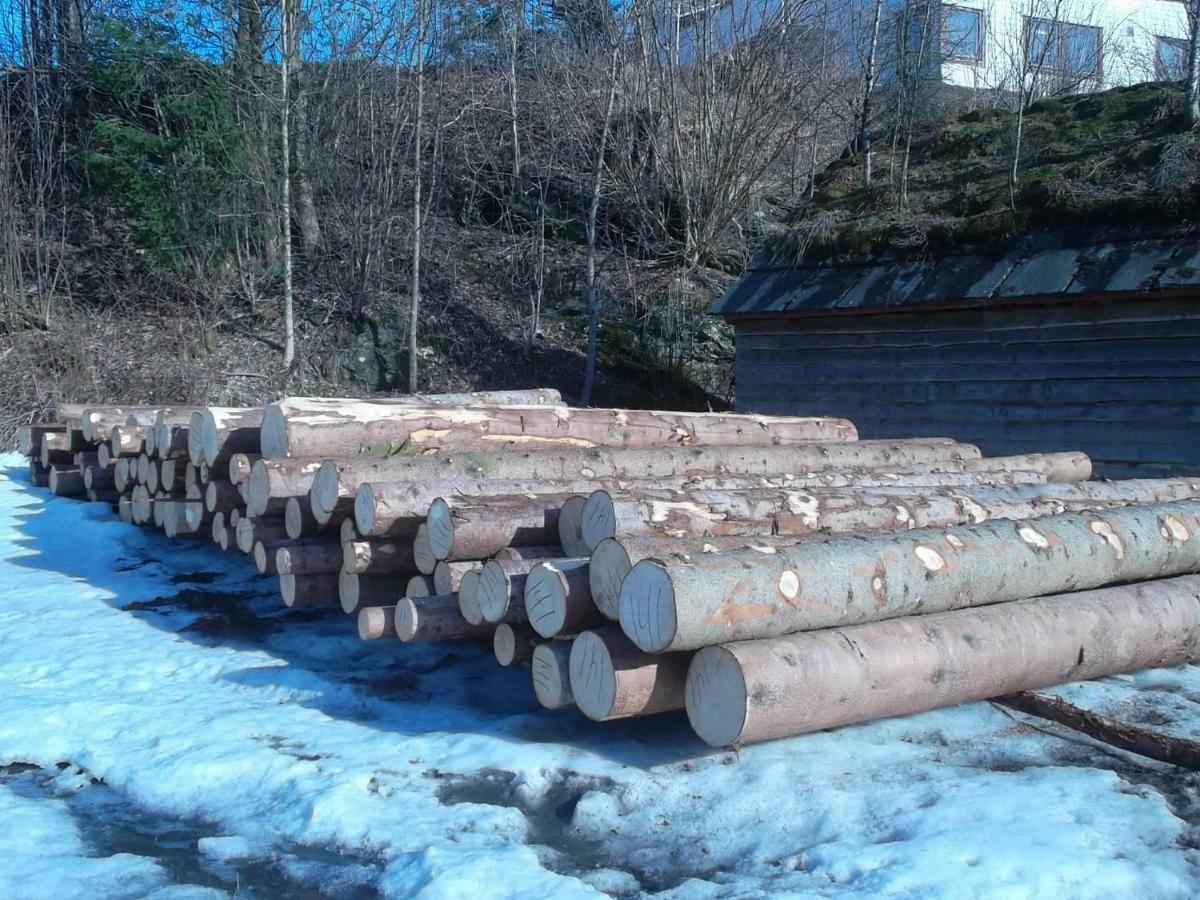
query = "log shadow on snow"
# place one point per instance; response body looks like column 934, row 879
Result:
column 211, row 597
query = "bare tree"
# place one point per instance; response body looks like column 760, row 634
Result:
column 287, row 32
column 1193, row 66
column 418, row 212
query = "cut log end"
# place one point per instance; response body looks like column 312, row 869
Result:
column 593, row 676
column 513, row 644
column 439, row 524
column 598, row 521
column 376, row 622
column 546, row 599
column 258, row 489
column 273, row 435
column 324, row 490
column 492, row 596
column 419, row 586
column 293, row 518
column 716, row 697
column 423, row 555
column 646, row 608
column 468, row 598
column 570, row 526
column 348, row 591
column 551, row 678
column 364, row 509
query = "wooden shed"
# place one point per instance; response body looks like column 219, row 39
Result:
column 1083, row 338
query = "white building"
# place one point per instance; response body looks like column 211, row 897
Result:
column 989, row 45
column 1080, row 45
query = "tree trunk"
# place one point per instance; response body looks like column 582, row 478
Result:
column 224, row 432
column 338, row 480
column 308, row 591
column 356, row 591
column 478, row 527
column 448, row 575
column 376, row 622
column 612, row 679
column 863, row 510
column 667, row 605
column 287, row 10
column 378, row 557
column 273, row 481
column 593, row 304
column 754, row 691
column 558, row 598
column 1193, row 70
column 418, row 228
column 435, row 619
column 303, row 427
column 308, row 558
column 550, row 667
column 514, row 644
column 614, row 557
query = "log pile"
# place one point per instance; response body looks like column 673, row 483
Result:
column 769, row 575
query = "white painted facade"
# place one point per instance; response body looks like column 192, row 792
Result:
column 1052, row 41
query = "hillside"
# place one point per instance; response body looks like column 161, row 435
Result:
column 1124, row 155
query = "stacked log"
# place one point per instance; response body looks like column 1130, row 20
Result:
column 770, row 575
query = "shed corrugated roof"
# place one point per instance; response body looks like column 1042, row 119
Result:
column 1044, row 266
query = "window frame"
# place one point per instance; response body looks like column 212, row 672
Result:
column 1059, row 31
column 1160, row 72
column 981, row 32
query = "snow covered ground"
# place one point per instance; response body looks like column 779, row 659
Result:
column 168, row 730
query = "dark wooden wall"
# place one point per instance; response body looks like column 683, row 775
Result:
column 1119, row 380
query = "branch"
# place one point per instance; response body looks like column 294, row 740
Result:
column 1150, row 744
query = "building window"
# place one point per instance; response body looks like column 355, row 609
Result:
column 962, row 33
column 1062, row 47
column 1170, row 59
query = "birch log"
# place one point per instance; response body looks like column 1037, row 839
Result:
column 667, row 605
column 613, row 679
column 742, row 693
column 338, row 481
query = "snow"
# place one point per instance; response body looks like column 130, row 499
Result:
column 160, row 685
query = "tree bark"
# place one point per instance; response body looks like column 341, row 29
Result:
column 613, row 679
column 754, row 691
column 667, row 605
column 305, row 427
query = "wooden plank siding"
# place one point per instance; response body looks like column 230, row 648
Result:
column 1118, row 380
